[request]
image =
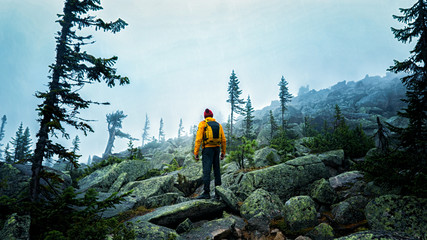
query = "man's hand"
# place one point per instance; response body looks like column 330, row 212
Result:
column 196, row 157
column 222, row 156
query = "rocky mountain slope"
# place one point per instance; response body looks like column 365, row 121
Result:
column 313, row 196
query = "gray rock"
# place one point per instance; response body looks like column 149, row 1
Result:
column 260, row 222
column 119, row 182
column 102, row 179
column 16, row 228
column 377, row 235
column 185, row 226
column 149, row 231
column 322, row 231
column 189, row 178
column 171, row 216
column 142, row 190
column 322, row 192
column 228, row 197
column 217, row 229
column 300, row 214
column 261, row 201
column 350, row 211
column 406, row 214
column 266, row 157
column 345, row 180
column 162, row 200
column 333, row 158
column 286, row 179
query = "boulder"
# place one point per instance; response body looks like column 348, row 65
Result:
column 322, row 192
column 300, row 214
column 150, row 231
column 142, row 190
column 377, row 235
column 398, row 213
column 185, row 226
column 345, row 180
column 119, row 182
column 162, row 200
column 216, row 229
column 189, row 178
column 260, row 223
column 285, row 180
column 16, row 228
column 333, row 158
column 228, row 197
column 161, row 158
column 350, row 211
column 261, row 201
column 103, row 179
column 266, row 157
column 171, row 216
column 322, row 231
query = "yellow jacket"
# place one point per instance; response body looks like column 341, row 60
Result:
column 200, row 134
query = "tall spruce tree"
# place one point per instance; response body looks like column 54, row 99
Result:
column 180, row 128
column 71, row 70
column 145, row 134
column 249, row 119
column 114, row 121
column 234, row 99
column 414, row 136
column 161, row 131
column 284, row 97
column 21, row 144
column 7, row 154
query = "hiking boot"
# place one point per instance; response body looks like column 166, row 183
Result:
column 204, row 196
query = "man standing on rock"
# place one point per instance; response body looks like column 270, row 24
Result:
column 210, row 136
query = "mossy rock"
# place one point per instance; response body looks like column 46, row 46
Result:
column 261, row 201
column 377, row 235
column 350, row 211
column 300, row 214
column 150, row 231
column 322, row 231
column 322, row 192
column 398, row 213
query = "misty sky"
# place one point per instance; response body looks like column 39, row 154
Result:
column 179, row 56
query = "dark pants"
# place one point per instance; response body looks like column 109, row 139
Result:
column 210, row 158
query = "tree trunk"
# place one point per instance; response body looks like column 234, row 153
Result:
column 110, row 143
column 49, row 105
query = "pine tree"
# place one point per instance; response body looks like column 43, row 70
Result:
column 145, row 134
column 284, row 97
column 76, row 147
column 180, row 128
column 414, row 136
column 71, row 70
column 338, row 118
column 273, row 125
column 234, row 93
column 21, row 144
column 3, row 124
column 249, row 118
column 161, row 131
column 114, row 121
column 7, row 154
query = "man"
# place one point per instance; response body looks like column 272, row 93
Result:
column 210, row 136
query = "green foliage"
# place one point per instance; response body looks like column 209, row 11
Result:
column 397, row 169
column 151, row 173
column 282, row 143
column 270, row 159
column 70, row 217
column 249, row 119
column 235, row 101
column 354, row 142
column 174, row 166
column 21, row 145
column 244, row 151
column 134, row 152
column 284, row 97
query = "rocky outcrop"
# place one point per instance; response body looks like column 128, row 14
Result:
column 216, row 229
column 145, row 230
column 266, row 157
column 398, row 213
column 113, row 175
column 285, row 180
column 171, row 216
column 377, row 235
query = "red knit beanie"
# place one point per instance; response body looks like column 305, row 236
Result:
column 208, row 113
